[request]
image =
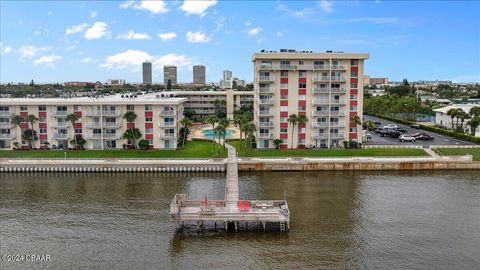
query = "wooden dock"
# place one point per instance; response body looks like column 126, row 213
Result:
column 231, row 210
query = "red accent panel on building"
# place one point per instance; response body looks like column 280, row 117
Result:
column 130, row 125
column 352, row 136
column 24, row 125
column 301, row 135
column 79, row 114
column 283, row 114
column 283, row 146
column 283, row 102
column 353, row 80
column 353, row 102
column 302, row 113
column 283, row 91
column 148, row 125
column 302, row 91
column 354, row 69
column 283, row 80
column 353, row 91
column 283, row 135
column 283, row 125
column 301, row 125
column 302, row 80
column 78, row 125
column 353, row 114
column 42, row 125
column 149, row 136
column 302, row 103
column 23, row 114
column 43, row 137
column 351, row 124
column 42, row 114
column 149, row 114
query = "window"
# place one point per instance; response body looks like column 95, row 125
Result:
column 43, row 131
column 283, row 108
column 301, row 141
column 148, row 130
column 42, row 108
column 301, row 63
column 301, row 108
column 148, row 107
column 353, row 129
column 283, row 130
column 353, row 108
column 150, row 142
column 301, row 97
column 284, row 74
column 97, row 131
column 354, row 62
column 283, row 119
column 42, row 119
column 301, row 130
column 130, row 107
column 302, row 85
column 23, row 108
column 78, row 131
column 353, row 85
column 4, row 109
column 169, row 120
column 335, row 85
column 283, row 96
column 353, row 97
column 354, row 74
column 61, row 108
column 148, row 119
column 77, row 108
column 301, row 74
column 284, row 85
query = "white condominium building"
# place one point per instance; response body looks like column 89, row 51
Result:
column 325, row 87
column 101, row 120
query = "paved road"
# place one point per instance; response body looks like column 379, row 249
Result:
column 439, row 138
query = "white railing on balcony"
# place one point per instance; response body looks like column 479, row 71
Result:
column 111, row 124
column 265, row 135
column 112, row 136
column 266, row 124
column 60, row 124
column 166, row 124
column 265, row 113
column 336, row 136
column 289, row 67
column 326, row 102
column 60, row 113
column 166, row 112
column 167, row 136
column 266, row 89
column 320, row 136
column 319, row 124
column 338, row 78
column 270, row 101
column 266, row 78
column 338, row 67
column 326, row 90
column 60, row 136
column 5, row 113
column 6, row 136
column 321, row 67
column 5, row 124
column 110, row 113
column 320, row 79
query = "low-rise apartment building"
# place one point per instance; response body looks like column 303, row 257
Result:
column 442, row 119
column 325, row 87
column 101, row 120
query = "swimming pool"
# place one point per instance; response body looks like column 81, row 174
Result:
column 209, row 133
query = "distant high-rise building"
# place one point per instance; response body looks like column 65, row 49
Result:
column 227, row 75
column 199, row 74
column 147, row 72
column 170, row 73
column 227, row 81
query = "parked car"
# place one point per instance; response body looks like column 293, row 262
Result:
column 378, row 123
column 402, row 130
column 394, row 134
column 406, row 138
column 417, row 126
column 422, row 136
column 369, row 136
column 390, row 126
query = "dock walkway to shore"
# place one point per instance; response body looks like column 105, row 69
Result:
column 231, row 210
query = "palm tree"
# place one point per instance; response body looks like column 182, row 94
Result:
column 212, row 120
column 302, row 119
column 130, row 116
column 474, row 123
column 32, row 119
column 187, row 124
column 452, row 113
column 369, row 124
column 72, row 118
column 249, row 130
column 223, row 123
column 240, row 120
column 29, row 135
column 356, row 119
column 463, row 115
column 16, row 120
column 475, row 111
column 132, row 134
column 221, row 130
column 293, row 120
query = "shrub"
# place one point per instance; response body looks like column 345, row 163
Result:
column 143, row 144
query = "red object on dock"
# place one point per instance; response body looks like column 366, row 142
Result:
column 243, row 206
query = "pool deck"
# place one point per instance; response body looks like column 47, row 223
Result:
column 196, row 132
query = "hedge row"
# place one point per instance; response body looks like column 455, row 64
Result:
column 433, row 129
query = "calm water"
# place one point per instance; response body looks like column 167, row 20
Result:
column 340, row 220
column 210, row 133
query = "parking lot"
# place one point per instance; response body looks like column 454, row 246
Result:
column 439, row 139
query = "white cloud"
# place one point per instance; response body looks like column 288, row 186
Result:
column 98, row 30
column 155, row 7
column 167, row 36
column 326, row 5
column 376, row 20
column 133, row 59
column 197, row 37
column 29, row 51
column 69, row 48
column 48, row 60
column 5, row 49
column 279, row 34
column 254, row 31
column 93, row 14
column 132, row 35
column 76, row 28
column 87, row 60
column 50, row 12
column 36, row 33
column 197, row 7
column 296, row 13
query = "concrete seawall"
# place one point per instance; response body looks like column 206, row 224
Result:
column 244, row 164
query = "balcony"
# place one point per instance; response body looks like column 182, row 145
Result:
column 267, row 67
column 288, row 67
column 60, row 125
column 336, row 136
column 266, row 124
column 265, row 135
column 5, row 113
column 111, row 113
column 338, row 78
column 60, row 136
column 327, row 90
column 166, row 125
column 338, row 67
column 321, row 67
column 111, row 125
column 316, row 79
column 5, row 125
column 320, row 136
column 266, row 90
column 266, row 113
column 60, row 113
column 319, row 124
column 327, row 102
column 167, row 136
column 269, row 101
column 112, row 136
column 269, row 79
column 167, row 112
column 7, row 136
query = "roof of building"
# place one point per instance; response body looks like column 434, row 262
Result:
column 153, row 99
column 465, row 107
column 308, row 55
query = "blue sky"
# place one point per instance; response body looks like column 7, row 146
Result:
column 89, row 41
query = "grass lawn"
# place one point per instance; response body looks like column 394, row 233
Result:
column 193, row 149
column 475, row 152
column 327, row 152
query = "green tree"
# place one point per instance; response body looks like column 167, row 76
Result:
column 16, row 120
column 32, row 119
column 241, row 119
column 29, row 135
column 356, row 119
column 474, row 123
column 212, row 120
column 452, row 113
column 249, row 130
column 277, row 143
column 369, row 125
column 78, row 140
column 143, row 144
column 189, row 113
column 130, row 116
column 302, row 119
column 73, row 118
column 293, row 120
column 169, row 85
column 475, row 111
column 220, row 108
column 187, row 124
column 132, row 134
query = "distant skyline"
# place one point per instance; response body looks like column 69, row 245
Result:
column 96, row 41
